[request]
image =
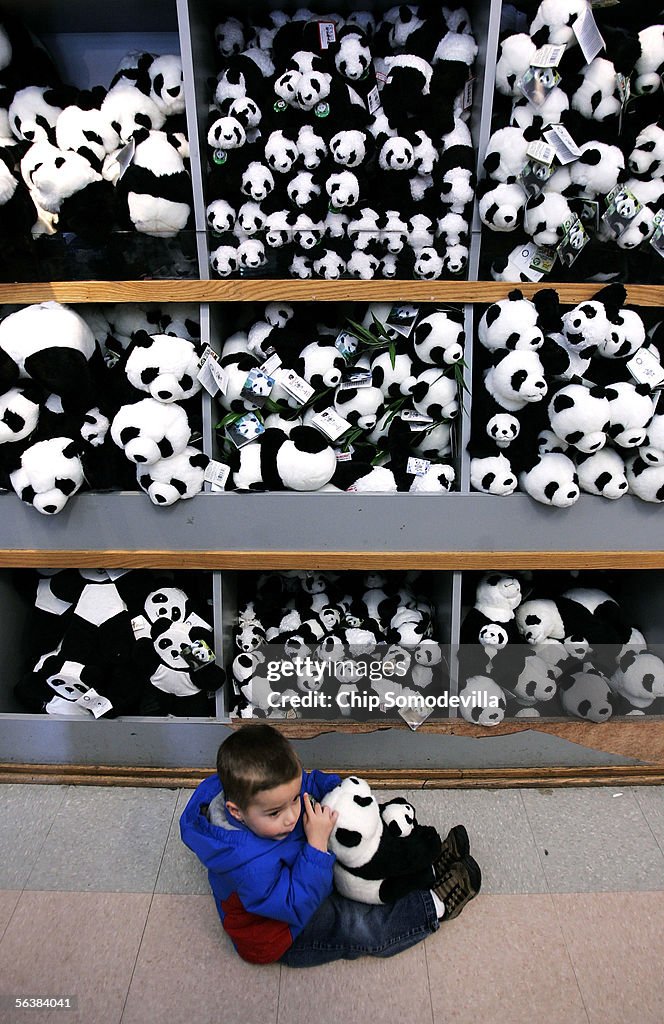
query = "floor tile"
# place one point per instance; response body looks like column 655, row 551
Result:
column 27, row 813
column 615, row 941
column 120, row 836
column 391, row 991
column 76, row 944
column 651, row 801
column 8, row 901
column 181, row 871
column 503, row 961
column 187, row 966
column 501, row 839
column 592, row 841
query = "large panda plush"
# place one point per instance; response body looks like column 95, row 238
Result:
column 381, row 852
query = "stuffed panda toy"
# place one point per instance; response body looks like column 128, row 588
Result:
column 164, row 366
column 156, row 186
column 382, row 852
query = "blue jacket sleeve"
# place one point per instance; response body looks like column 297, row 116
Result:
column 292, row 894
column 319, row 783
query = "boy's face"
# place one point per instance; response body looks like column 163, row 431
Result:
column 272, row 813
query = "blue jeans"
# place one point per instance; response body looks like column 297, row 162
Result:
column 342, row 929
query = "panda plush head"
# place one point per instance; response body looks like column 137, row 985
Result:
column 554, row 22
column 129, row 110
column 586, row 695
column 49, row 473
column 511, row 323
column 251, row 254
column 220, row 216
column 544, row 217
column 551, row 480
column 224, row 260
column 360, row 406
column 535, row 682
column 343, row 189
column 257, row 181
column 580, row 416
column 169, row 480
column 649, row 66
column 639, row 677
column 539, row 621
column 19, row 415
column 602, row 473
column 229, row 37
column 645, row 479
column 352, row 58
column 482, row 701
column 164, row 366
column 350, row 147
column 166, row 84
column 626, row 335
column 303, row 189
column 516, row 380
column 33, row 114
column 598, row 95
column 435, row 395
column 598, row 169
column 631, row 408
column 492, row 474
column 502, row 428
column 166, row 603
column 439, row 338
column 646, row 159
column 501, row 206
column 514, row 56
column 148, row 431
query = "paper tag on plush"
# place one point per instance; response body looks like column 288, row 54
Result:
column 588, row 35
column 216, row 474
column 573, row 242
column 257, row 387
column 537, row 83
column 541, row 151
column 587, row 210
column 419, row 467
column 373, row 100
column 296, row 386
column 548, row 56
column 467, row 97
column 533, row 177
column 645, row 369
column 543, row 259
column 413, row 416
column 93, row 702
column 522, row 260
column 657, row 237
column 270, row 365
column 563, row 143
column 212, row 376
column 140, row 626
column 345, row 456
column 125, row 156
column 330, row 423
column 356, row 379
column 622, row 208
column 245, row 429
column 327, row 33
column 347, row 343
column 402, row 318
column 197, row 655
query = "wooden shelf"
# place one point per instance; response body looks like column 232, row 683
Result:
column 252, row 290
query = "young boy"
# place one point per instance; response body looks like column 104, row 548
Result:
column 264, row 839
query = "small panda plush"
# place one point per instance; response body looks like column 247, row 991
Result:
column 157, row 186
column 482, row 701
column 171, row 479
column 552, row 480
column 439, row 338
column 164, row 366
column 149, row 430
column 639, row 677
column 501, row 206
column 602, row 473
column 586, row 694
column 516, row 380
column 49, row 473
column 580, row 416
column 646, row 159
column 511, row 323
column 492, row 474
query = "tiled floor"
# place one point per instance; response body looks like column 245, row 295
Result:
column 100, row 900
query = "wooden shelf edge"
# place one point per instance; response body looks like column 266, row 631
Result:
column 253, row 290
column 412, row 778
column 219, row 559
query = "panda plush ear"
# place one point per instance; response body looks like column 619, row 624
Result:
column 141, row 339
column 547, row 304
column 613, row 298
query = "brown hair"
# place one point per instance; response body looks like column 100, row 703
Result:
column 254, row 758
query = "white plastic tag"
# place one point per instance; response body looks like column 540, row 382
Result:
column 588, row 35
column 296, row 386
column 413, row 416
column 125, row 156
column 564, row 145
column 271, row 364
column 548, row 56
column 373, row 100
column 359, row 379
column 93, row 702
column 419, row 467
column 327, row 32
column 645, row 369
column 212, row 376
column 216, row 474
column 541, row 151
column 330, row 423
column 522, row 260
column 140, row 626
column 467, row 96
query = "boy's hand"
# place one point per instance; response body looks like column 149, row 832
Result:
column 318, row 823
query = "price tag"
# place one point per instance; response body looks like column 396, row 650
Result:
column 645, row 369
column 537, row 83
column 296, row 386
column 621, row 210
column 573, row 242
column 548, row 56
column 563, row 143
column 212, row 376
column 93, row 702
column 373, row 100
column 467, row 96
column 533, row 177
column 216, row 474
column 140, row 626
column 521, row 258
column 588, row 212
column 327, row 33
column 356, row 379
column 541, row 151
column 271, row 364
column 330, row 423
column 544, row 259
column 657, row 237
column 346, row 343
column 257, row 387
column 402, row 319
column 345, row 456
column 419, row 467
column 588, row 35
column 413, row 416
column 245, row 429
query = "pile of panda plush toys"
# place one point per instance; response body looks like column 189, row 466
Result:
column 94, row 160
column 109, row 642
column 358, row 619
column 553, row 641
column 556, row 410
column 106, row 397
column 392, row 428
column 612, row 109
column 338, row 146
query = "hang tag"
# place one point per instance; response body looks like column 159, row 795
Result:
column 657, row 237
column 198, row 655
column 548, row 56
column 373, row 100
column 216, row 474
column 330, row 423
column 573, row 242
column 588, row 35
column 125, row 156
column 419, row 467
column 346, row 343
column 645, row 369
column 537, row 83
column 621, row 210
column 296, row 386
column 467, row 95
column 418, row 418
column 257, row 387
column 245, row 430
column 271, row 364
column 140, row 626
column 356, row 379
column 533, row 177
column 345, row 456
column 543, row 259
column 115, row 574
column 212, row 376
column 522, row 261
column 543, row 152
column 588, row 212
column 327, row 33
column 414, row 715
column 93, row 702
column 402, row 319
column 563, row 143
column 625, row 91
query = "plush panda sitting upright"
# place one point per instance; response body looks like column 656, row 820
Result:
column 382, row 852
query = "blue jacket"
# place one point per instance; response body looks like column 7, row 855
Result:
column 265, row 889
